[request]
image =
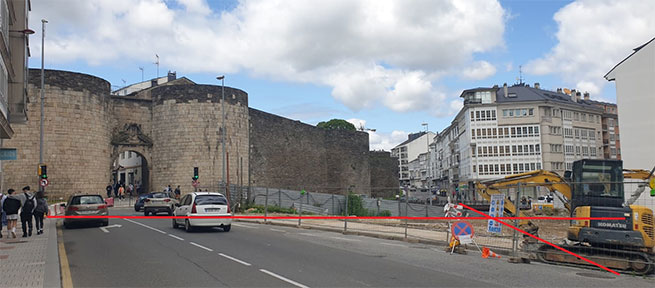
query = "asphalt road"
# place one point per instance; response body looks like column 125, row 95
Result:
column 149, row 252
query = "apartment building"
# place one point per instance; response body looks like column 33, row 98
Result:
column 408, row 151
column 610, row 124
column 513, row 129
column 14, row 53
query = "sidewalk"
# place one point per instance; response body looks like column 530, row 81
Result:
column 31, row 261
column 391, row 232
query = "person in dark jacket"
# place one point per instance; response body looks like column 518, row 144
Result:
column 27, row 211
column 11, row 207
column 39, row 212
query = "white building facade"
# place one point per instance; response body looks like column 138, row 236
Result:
column 408, row 151
column 635, row 98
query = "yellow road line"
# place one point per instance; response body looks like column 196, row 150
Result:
column 66, row 280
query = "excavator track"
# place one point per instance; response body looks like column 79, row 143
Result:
column 628, row 261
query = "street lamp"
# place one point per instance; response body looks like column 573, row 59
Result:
column 427, row 161
column 222, row 78
column 43, row 21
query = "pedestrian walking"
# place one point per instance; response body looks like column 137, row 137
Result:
column 11, row 205
column 121, row 192
column 40, row 211
column 130, row 188
column 109, row 188
column 116, row 186
column 3, row 215
column 27, row 211
column 177, row 192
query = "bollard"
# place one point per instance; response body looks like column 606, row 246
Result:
column 426, row 209
column 266, row 206
column 334, row 212
column 279, row 198
column 406, row 213
column 516, row 221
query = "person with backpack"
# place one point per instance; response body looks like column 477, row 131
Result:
column 11, row 205
column 27, row 211
column 39, row 212
column 3, row 215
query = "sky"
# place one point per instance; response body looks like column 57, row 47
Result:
column 383, row 65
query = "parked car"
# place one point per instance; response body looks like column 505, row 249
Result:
column 140, row 201
column 203, row 204
column 85, row 205
column 160, row 202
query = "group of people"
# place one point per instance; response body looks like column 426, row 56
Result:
column 177, row 191
column 120, row 190
column 26, row 205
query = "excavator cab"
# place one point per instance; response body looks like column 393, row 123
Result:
column 597, row 183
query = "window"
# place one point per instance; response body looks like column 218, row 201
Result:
column 506, row 132
column 576, row 116
column 577, row 133
column 536, row 149
column 495, row 151
column 583, row 134
column 536, row 130
column 585, row 151
column 532, row 166
column 472, row 118
column 513, row 132
column 592, row 134
column 505, row 113
column 474, row 169
column 568, row 133
column 612, row 138
column 538, row 166
column 531, row 111
column 568, row 149
column 584, row 117
column 472, row 133
column 577, row 150
column 593, row 151
column 477, row 115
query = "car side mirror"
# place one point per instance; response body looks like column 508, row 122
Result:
column 177, row 205
column 567, row 175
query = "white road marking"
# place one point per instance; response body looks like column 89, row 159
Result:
column 346, row 239
column 278, row 230
column 144, row 225
column 234, row 259
column 200, row 246
column 178, row 238
column 391, row 244
column 284, row 278
column 244, row 226
column 309, row 234
column 104, row 229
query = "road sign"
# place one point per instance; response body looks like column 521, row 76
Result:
column 195, row 183
column 496, row 209
column 44, row 182
column 462, row 228
column 7, row 153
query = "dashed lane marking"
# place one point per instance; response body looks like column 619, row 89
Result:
column 345, row 239
column 200, row 246
column 244, row 226
column 391, row 244
column 283, row 278
column 234, row 259
column 144, row 225
column 277, row 230
column 178, row 238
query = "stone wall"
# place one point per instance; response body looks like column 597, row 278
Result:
column 76, row 135
column 187, row 134
column 384, row 174
column 293, row 155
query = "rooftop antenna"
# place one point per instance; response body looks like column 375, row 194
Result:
column 157, row 63
column 520, row 75
column 141, row 68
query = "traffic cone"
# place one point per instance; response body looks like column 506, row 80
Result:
column 486, row 253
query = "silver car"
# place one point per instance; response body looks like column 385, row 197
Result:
column 85, row 205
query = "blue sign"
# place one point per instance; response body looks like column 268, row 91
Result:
column 7, row 153
column 462, row 228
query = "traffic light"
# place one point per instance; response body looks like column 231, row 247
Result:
column 43, row 171
column 195, row 173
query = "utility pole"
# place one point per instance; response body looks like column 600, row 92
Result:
column 157, row 63
column 222, row 78
column 43, row 21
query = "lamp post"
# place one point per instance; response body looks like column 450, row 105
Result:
column 427, row 161
column 43, row 21
column 222, row 78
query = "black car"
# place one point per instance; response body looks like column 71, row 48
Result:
column 139, row 202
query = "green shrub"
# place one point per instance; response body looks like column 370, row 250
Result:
column 385, row 213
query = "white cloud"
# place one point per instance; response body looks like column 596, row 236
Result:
column 359, row 123
column 479, row 70
column 386, row 141
column 595, row 35
column 369, row 52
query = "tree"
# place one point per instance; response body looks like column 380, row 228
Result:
column 336, row 124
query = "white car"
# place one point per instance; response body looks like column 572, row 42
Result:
column 203, row 204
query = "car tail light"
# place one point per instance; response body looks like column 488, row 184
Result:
column 146, row 200
column 73, row 208
column 193, row 209
column 102, row 207
column 228, row 207
column 167, row 200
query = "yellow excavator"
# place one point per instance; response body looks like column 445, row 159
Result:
column 594, row 188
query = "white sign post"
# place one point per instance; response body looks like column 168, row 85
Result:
column 496, row 209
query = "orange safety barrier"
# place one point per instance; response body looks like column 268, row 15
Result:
column 486, row 253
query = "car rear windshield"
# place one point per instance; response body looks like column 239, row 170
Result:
column 143, row 196
column 84, row 200
column 210, row 200
column 160, row 195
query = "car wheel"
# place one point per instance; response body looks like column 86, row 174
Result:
column 146, row 212
column 67, row 226
column 105, row 223
column 227, row 228
column 170, row 212
column 175, row 225
column 187, row 226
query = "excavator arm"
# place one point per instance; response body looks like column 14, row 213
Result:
column 543, row 178
column 639, row 174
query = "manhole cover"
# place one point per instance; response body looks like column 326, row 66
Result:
column 595, row 275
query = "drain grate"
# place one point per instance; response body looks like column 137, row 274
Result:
column 595, row 275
